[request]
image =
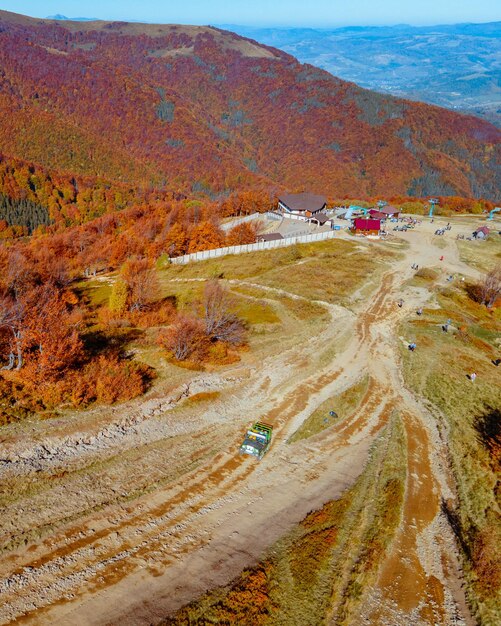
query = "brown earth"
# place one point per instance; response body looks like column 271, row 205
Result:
column 134, row 512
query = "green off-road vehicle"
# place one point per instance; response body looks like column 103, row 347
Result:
column 257, row 440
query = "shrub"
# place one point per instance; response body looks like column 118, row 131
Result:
column 220, row 323
column 110, row 379
column 118, row 297
column 185, row 339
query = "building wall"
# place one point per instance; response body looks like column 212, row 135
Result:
column 366, row 232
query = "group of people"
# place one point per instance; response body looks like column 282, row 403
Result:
column 445, row 327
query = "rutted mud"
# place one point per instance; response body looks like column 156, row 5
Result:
column 198, row 531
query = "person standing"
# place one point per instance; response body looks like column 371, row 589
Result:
column 472, row 377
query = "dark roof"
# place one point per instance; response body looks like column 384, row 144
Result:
column 390, row 210
column 483, row 229
column 321, row 217
column 269, row 237
column 255, row 443
column 367, row 224
column 377, row 215
column 303, row 201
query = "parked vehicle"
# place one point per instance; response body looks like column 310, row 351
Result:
column 257, row 440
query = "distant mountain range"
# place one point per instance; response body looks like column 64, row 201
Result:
column 200, row 110
column 71, row 19
column 456, row 66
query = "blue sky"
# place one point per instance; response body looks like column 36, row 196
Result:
column 318, row 13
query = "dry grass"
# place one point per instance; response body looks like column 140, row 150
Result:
column 203, row 396
column 344, row 405
column 255, row 264
column 424, row 277
column 427, row 274
column 481, row 254
column 330, row 277
column 438, row 370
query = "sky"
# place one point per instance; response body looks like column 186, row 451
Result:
column 313, row 13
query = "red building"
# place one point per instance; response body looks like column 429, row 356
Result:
column 365, row 226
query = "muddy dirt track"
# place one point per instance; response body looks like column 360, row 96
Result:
column 151, row 510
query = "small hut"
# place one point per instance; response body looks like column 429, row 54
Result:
column 482, row 232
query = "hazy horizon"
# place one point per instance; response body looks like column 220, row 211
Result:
column 322, row 14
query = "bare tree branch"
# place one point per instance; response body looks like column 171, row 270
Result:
column 220, row 322
column 490, row 288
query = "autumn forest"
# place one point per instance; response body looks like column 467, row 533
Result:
column 122, row 145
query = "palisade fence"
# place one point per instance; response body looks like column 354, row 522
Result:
column 251, row 247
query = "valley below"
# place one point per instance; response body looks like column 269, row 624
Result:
column 453, row 65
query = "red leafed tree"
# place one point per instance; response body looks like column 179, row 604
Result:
column 52, row 336
column 176, row 241
column 39, row 330
column 12, row 330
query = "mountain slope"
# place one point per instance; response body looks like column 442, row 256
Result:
column 454, row 65
column 200, row 109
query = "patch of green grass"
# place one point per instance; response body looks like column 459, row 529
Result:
column 256, row 311
column 299, row 308
column 189, row 294
column 186, row 294
column 344, row 405
column 98, row 290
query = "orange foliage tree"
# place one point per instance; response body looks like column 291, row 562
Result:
column 142, row 284
column 241, row 234
column 205, row 236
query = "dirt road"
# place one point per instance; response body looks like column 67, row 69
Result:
column 186, row 513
